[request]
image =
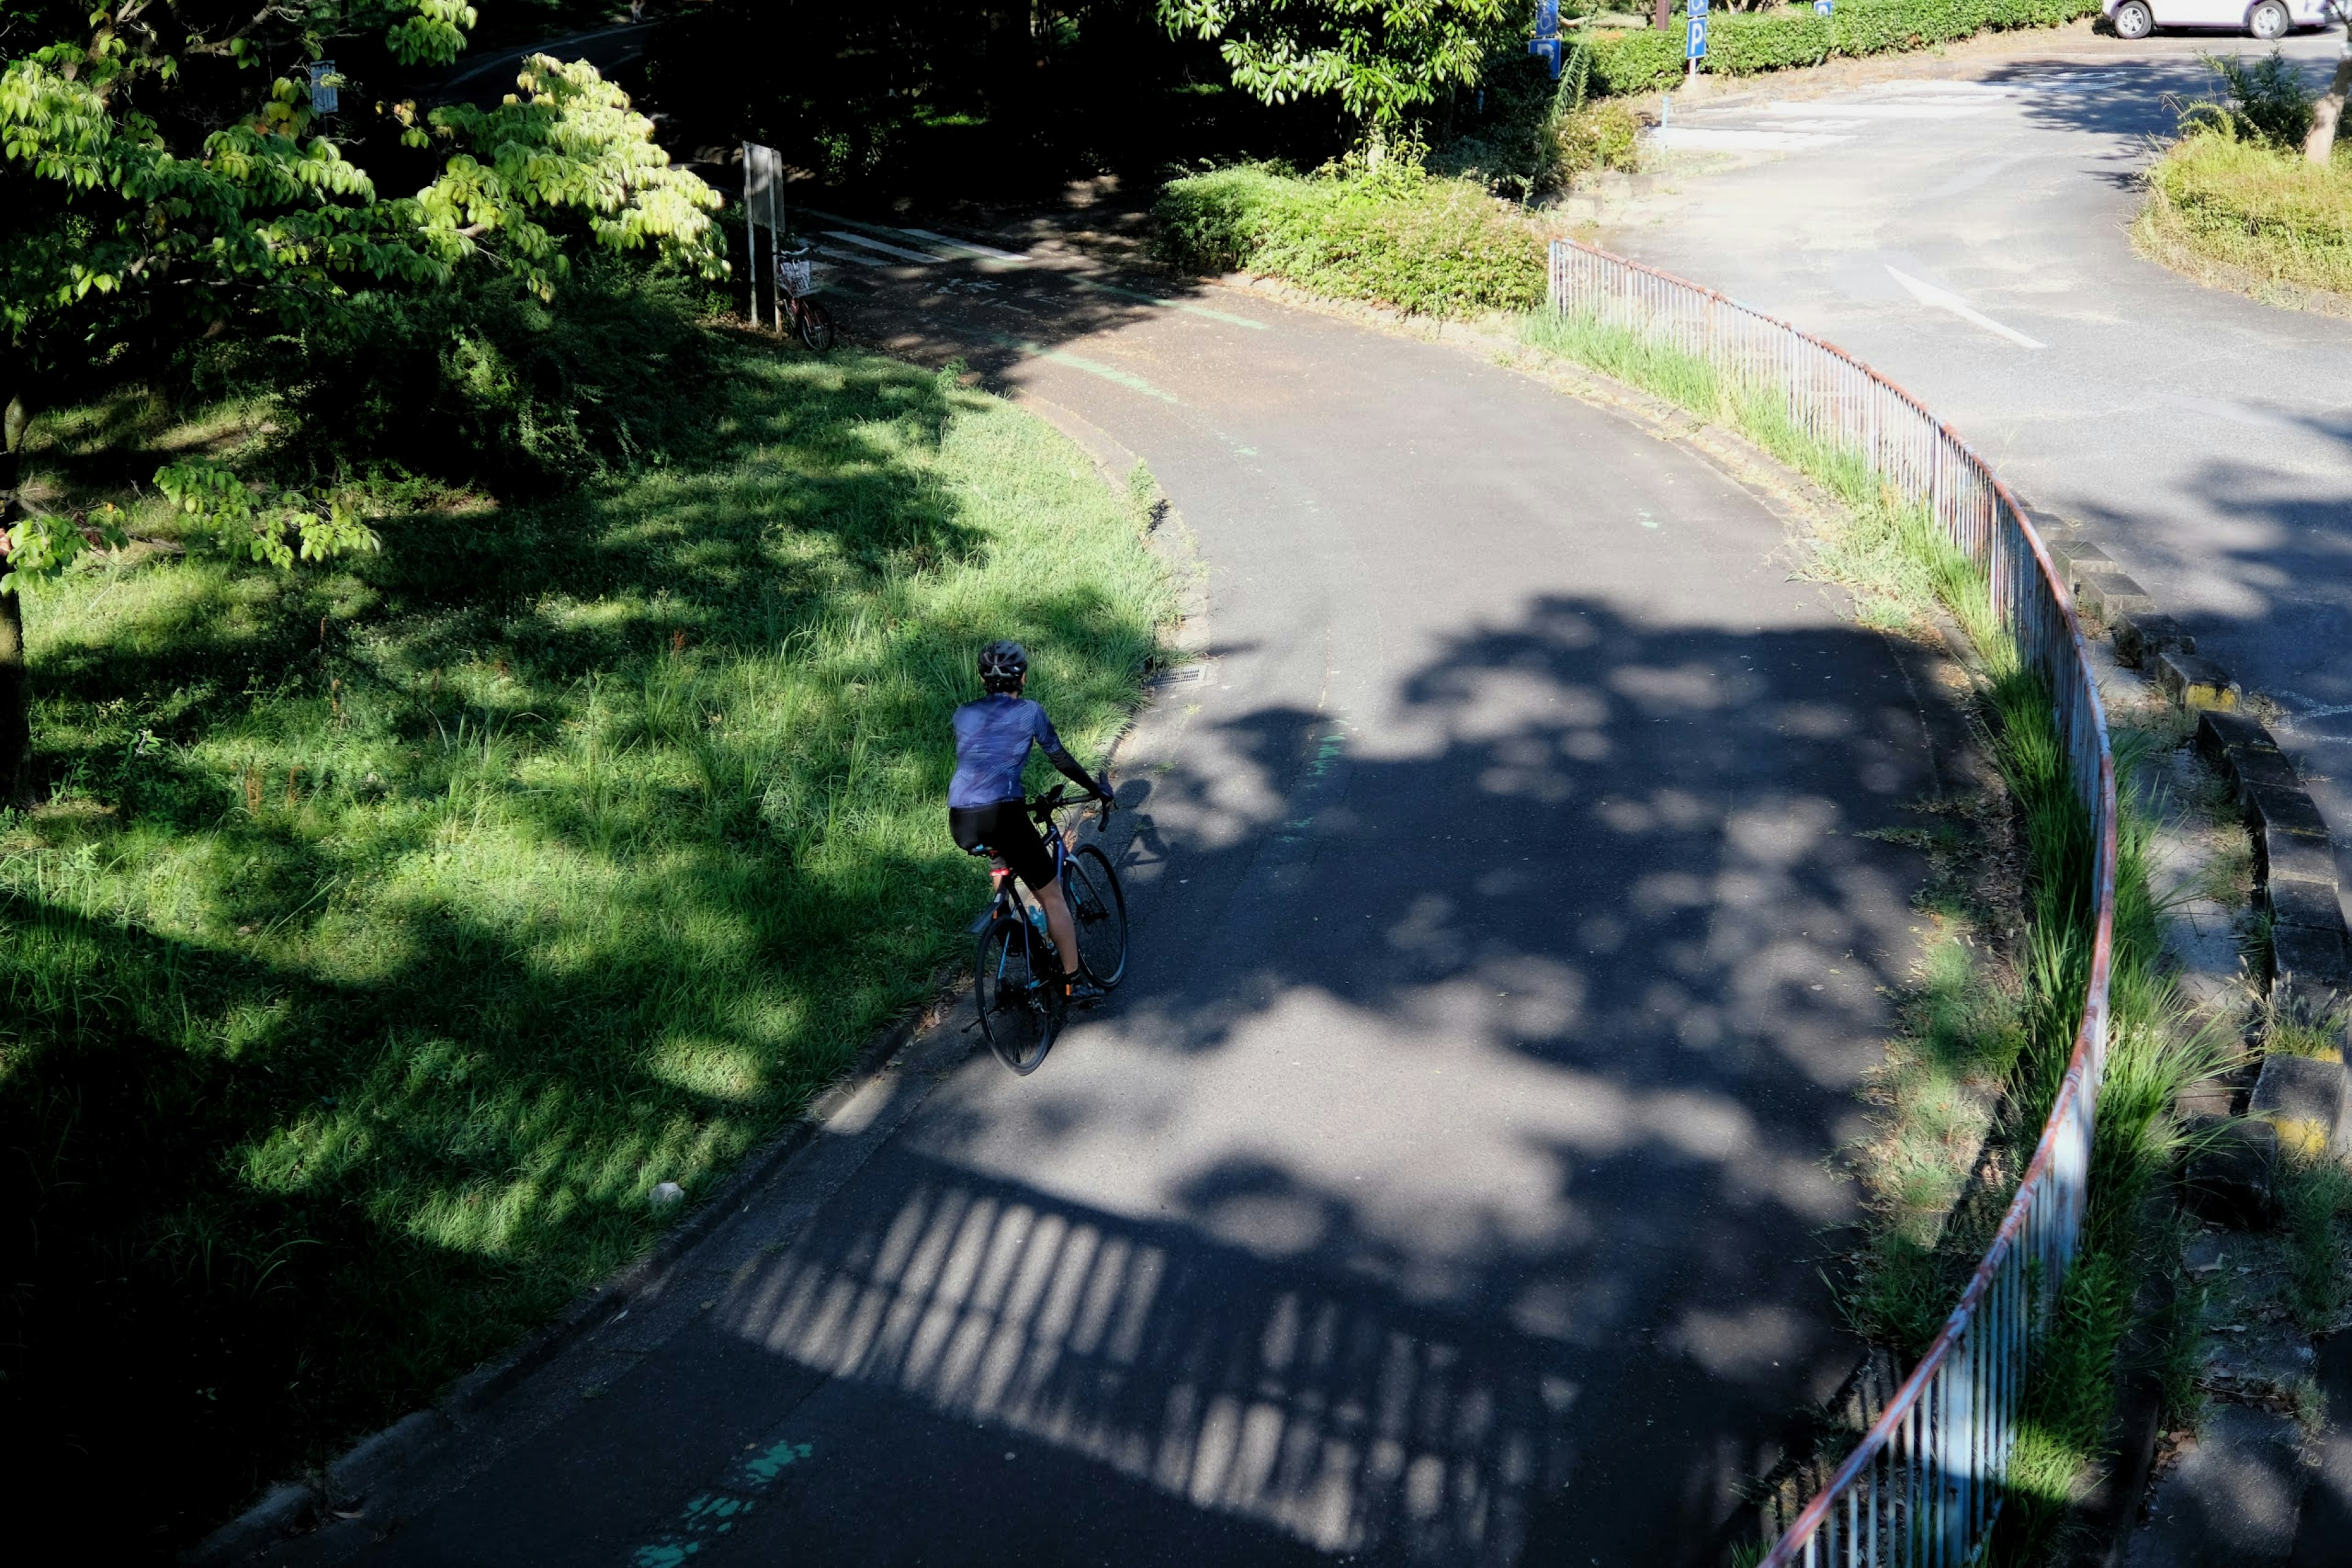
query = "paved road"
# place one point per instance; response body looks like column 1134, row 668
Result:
column 2206, row 438
column 1447, row 1185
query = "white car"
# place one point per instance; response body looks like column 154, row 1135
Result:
column 2264, row 19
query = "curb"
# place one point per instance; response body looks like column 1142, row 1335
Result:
column 2298, row 1104
column 368, row 1463
column 2310, row 964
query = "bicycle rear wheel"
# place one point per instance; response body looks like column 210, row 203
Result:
column 1100, row 905
column 816, row 324
column 1018, row 1012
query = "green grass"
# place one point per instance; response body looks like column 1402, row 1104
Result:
column 2221, row 204
column 1967, row 1023
column 2317, row 1198
column 396, row 928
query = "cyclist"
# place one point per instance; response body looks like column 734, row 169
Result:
column 985, row 809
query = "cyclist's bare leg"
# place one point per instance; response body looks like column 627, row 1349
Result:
column 1058, row 925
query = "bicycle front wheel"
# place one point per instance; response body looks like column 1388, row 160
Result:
column 1017, row 1010
column 1100, row 905
column 816, row 324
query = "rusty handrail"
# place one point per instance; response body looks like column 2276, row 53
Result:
column 1924, row 1484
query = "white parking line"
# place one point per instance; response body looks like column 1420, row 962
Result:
column 1944, row 300
column 923, row 257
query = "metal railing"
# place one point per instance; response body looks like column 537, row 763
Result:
column 1925, row 1483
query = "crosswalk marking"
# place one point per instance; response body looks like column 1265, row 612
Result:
column 921, row 258
column 970, row 246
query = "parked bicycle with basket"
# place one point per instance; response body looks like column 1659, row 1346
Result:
column 796, row 285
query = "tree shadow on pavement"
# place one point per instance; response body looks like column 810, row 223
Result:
column 1452, row 1183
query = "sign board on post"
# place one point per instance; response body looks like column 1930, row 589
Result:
column 323, row 85
column 764, row 206
column 1824, row 8
column 1695, row 50
column 1545, row 45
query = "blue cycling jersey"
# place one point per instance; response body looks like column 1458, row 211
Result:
column 992, row 740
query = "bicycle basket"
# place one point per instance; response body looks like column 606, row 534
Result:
column 795, row 276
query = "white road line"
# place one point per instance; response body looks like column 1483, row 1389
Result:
column 923, row 257
column 1943, row 300
column 970, row 246
column 858, row 258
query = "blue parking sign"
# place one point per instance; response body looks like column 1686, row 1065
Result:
column 1697, row 49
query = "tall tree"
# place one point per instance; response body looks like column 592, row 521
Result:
column 1381, row 58
column 167, row 174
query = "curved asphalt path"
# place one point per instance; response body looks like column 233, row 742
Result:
column 1447, row 1185
column 2205, row 438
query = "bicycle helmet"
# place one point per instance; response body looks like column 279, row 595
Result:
column 1003, row 665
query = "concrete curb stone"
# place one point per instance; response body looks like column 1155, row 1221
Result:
column 2276, row 808
column 2192, row 680
column 2284, row 856
column 2310, row 969
column 2220, row 733
column 2303, row 1098
column 2251, row 768
column 2141, row 635
column 2308, row 904
column 2109, row 596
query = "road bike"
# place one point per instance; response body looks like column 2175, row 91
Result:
column 795, row 281
column 1016, row 991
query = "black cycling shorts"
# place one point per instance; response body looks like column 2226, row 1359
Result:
column 1005, row 828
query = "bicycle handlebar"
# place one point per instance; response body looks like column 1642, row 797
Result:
column 1044, row 807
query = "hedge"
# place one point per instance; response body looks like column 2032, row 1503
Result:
column 1750, row 45
column 1431, row 246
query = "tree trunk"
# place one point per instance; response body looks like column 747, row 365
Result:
column 15, row 689
column 2320, row 145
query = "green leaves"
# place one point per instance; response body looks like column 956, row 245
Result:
column 40, row 545
column 568, row 144
column 433, row 34
column 269, row 528
column 1382, row 58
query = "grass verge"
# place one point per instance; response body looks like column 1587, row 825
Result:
column 2255, row 218
column 398, row 927
column 1988, row 1032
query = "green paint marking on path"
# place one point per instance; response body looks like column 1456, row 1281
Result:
column 1109, row 373
column 708, row 1516
column 1185, row 305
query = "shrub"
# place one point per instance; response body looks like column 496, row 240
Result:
column 1647, row 62
column 1395, row 235
column 1539, row 134
column 2269, row 102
